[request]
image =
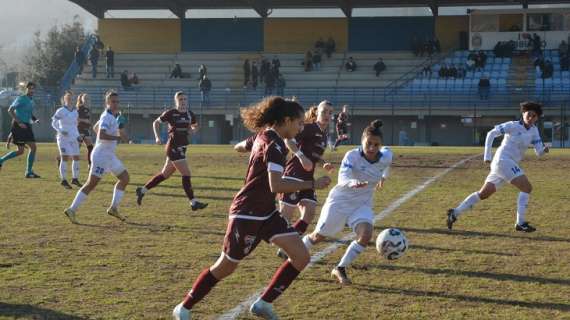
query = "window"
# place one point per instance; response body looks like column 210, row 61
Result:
column 484, row 23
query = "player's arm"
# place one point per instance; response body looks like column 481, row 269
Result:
column 35, row 120
column 539, row 147
column 241, row 147
column 279, row 185
column 491, row 135
column 56, row 125
column 346, row 174
column 194, row 127
column 100, row 128
column 156, row 129
column 12, row 112
column 123, row 136
column 294, row 148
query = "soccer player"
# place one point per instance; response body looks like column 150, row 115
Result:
column 64, row 122
column 341, row 127
column 253, row 214
column 84, row 123
column 180, row 121
column 519, row 135
column 350, row 202
column 104, row 159
column 21, row 112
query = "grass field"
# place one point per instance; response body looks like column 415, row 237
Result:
column 105, row 269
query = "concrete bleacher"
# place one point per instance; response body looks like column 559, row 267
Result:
column 560, row 80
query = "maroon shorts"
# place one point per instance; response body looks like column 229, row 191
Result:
column 175, row 153
column 243, row 234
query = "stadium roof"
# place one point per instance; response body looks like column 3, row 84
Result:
column 264, row 7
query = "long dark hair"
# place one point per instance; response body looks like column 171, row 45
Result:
column 531, row 106
column 270, row 111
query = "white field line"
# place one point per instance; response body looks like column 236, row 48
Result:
column 244, row 305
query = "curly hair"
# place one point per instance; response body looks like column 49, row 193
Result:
column 531, row 106
column 270, row 111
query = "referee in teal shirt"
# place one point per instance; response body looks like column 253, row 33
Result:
column 21, row 111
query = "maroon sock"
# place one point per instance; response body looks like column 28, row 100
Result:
column 89, row 150
column 154, row 181
column 301, row 226
column 203, row 284
column 188, row 187
column 280, row 282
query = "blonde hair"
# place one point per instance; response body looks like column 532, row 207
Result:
column 311, row 114
column 80, row 100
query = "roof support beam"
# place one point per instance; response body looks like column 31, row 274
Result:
column 96, row 10
column 434, row 8
column 524, row 4
column 346, row 7
column 177, row 8
column 261, row 7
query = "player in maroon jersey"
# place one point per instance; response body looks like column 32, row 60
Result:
column 253, row 216
column 180, row 122
column 341, row 127
column 84, row 123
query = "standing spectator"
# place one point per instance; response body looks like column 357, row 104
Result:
column 330, row 47
column 308, row 62
column 79, row 59
column 94, row 60
column 317, row 60
column 125, row 82
column 452, row 72
column 341, row 127
column 246, row 72
column 110, row 63
column 205, row 87
column 350, row 65
column 443, row 71
column 470, row 63
column 426, row 71
column 564, row 62
column 264, row 69
column 563, row 48
column 379, row 66
column 176, row 72
column 134, row 79
column 416, row 45
column 460, row 72
column 276, row 64
column 269, row 83
column 320, row 44
column 547, row 70
column 428, row 47
column 254, row 75
column 484, row 87
column 99, row 45
column 280, row 85
column 202, row 71
column 436, row 45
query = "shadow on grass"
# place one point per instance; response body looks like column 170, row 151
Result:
column 32, row 312
column 459, row 297
column 430, row 248
column 466, row 233
column 201, row 197
column 172, row 228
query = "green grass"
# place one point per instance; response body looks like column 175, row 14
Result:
column 104, row 269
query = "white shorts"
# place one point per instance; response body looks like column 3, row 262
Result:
column 334, row 218
column 101, row 163
column 503, row 171
column 68, row 146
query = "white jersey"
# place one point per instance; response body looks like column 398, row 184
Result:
column 65, row 120
column 355, row 167
column 109, row 123
column 515, row 143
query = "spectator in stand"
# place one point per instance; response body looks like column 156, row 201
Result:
column 308, row 61
column 379, row 66
column 246, row 72
column 428, row 47
column 320, row 44
column 264, row 70
column 176, row 72
column 205, row 87
column 484, row 87
column 416, row 45
column 350, row 65
column 470, row 64
column 564, row 62
column 436, row 45
column 452, row 72
column 460, row 72
column 79, row 59
column 202, row 71
column 94, row 60
column 547, row 70
column 125, row 83
column 134, row 79
column 536, row 44
column 330, row 47
column 276, row 64
column 426, row 71
column 480, row 60
column 443, row 71
column 563, row 48
column 110, row 63
column 99, row 45
column 254, row 75
column 317, row 60
column 280, row 85
column 269, row 83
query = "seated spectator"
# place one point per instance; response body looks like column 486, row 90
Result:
column 276, row 64
column 563, row 48
column 317, row 60
column 320, row 44
column 308, row 61
column 452, row 72
column 379, row 66
column 460, row 72
column 134, row 79
column 565, row 62
column 426, row 71
column 443, row 71
column 350, row 65
column 436, row 45
column 176, row 72
column 484, row 87
column 125, row 82
column 547, row 70
column 470, row 64
column 330, row 47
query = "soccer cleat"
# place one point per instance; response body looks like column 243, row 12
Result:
column 263, row 310
column 115, row 213
column 70, row 215
column 32, row 175
column 281, row 254
column 450, row 218
column 65, row 184
column 140, row 195
column 76, row 182
column 181, row 313
column 525, row 227
column 341, row 276
column 197, row 205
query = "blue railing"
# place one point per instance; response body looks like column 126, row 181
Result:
column 74, row 67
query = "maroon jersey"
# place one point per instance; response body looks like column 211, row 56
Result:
column 249, row 142
column 178, row 125
column 312, row 141
column 255, row 197
column 83, row 113
column 342, row 123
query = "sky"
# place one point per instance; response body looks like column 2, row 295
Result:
column 20, row 19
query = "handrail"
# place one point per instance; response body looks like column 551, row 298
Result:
column 73, row 68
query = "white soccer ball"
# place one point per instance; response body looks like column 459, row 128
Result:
column 391, row 243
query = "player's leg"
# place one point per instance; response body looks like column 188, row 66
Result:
column 118, row 192
column 81, row 196
column 331, row 221
column 492, row 183
column 63, row 169
column 522, row 183
column 89, row 143
column 287, row 206
column 12, row 154
column 167, row 170
column 307, row 207
column 75, row 170
column 30, row 160
column 182, row 167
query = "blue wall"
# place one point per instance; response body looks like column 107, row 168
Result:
column 222, row 35
column 387, row 33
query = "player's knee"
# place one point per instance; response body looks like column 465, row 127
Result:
column 364, row 238
column 528, row 188
column 301, row 260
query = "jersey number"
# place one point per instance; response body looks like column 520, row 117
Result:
column 99, row 170
column 516, row 170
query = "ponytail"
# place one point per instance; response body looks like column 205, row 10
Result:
column 311, row 114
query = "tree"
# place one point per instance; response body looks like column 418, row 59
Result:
column 50, row 55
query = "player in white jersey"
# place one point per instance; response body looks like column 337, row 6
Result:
column 363, row 170
column 519, row 135
column 64, row 122
column 104, row 159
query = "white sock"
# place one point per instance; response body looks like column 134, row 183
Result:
column 353, row 250
column 75, row 168
column 63, row 170
column 144, row 190
column 307, row 241
column 522, row 204
column 468, row 203
column 117, row 197
column 79, row 199
column 193, row 201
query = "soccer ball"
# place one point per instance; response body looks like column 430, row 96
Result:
column 391, row 243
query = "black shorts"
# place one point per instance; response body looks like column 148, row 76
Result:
column 84, row 133
column 175, row 153
column 294, row 198
column 21, row 136
column 243, row 235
